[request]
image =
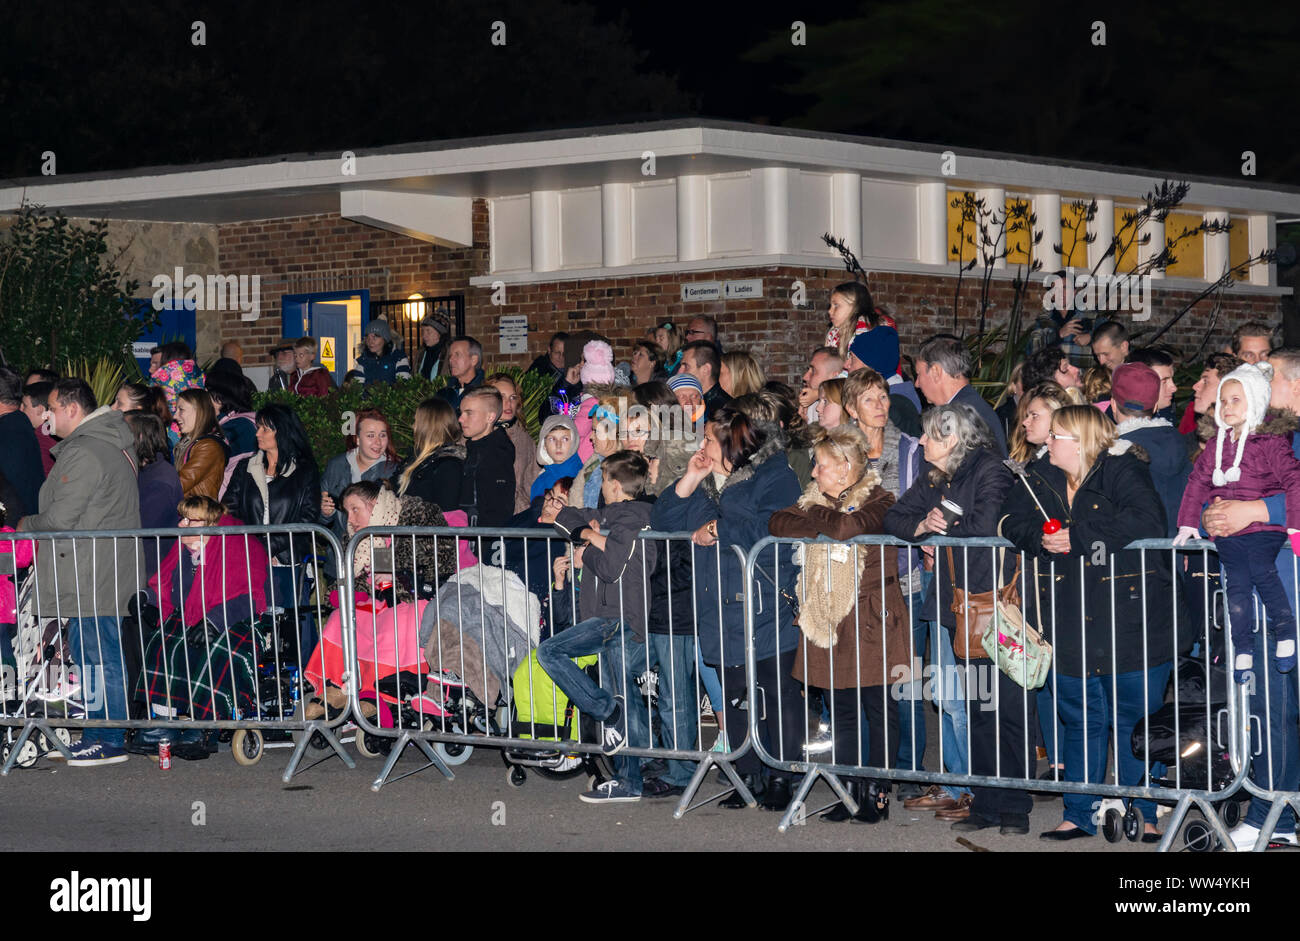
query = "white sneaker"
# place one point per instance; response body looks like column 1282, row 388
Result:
column 1244, row 836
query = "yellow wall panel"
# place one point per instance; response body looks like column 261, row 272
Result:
column 1074, row 250
column 1020, row 243
column 1189, row 253
column 1126, row 256
column 968, row 241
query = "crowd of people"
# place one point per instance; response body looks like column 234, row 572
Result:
column 686, row 436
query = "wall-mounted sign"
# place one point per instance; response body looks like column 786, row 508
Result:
column 513, row 333
column 702, row 291
column 737, row 290
column 327, row 353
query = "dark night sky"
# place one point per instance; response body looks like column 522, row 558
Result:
column 119, row 84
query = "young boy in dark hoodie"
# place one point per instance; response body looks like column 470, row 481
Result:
column 611, row 604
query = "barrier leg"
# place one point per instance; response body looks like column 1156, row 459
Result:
column 1176, row 817
column 1274, row 817
column 17, row 748
column 301, row 749
column 684, row 806
column 800, row 794
column 400, row 746
column 52, row 738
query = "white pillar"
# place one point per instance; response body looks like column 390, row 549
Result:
column 545, row 205
column 692, row 218
column 1153, row 246
column 616, row 224
column 1263, row 235
column 774, row 187
column 1047, row 207
column 932, row 223
column 1216, row 247
column 1103, row 226
column 995, row 202
column 846, row 209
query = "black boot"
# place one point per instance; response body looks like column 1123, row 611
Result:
column 839, row 813
column 755, row 784
column 777, row 796
column 874, row 805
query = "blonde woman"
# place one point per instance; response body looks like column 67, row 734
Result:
column 1110, row 624
column 830, row 404
column 437, row 461
column 1033, row 421
column 853, row 652
column 739, row 374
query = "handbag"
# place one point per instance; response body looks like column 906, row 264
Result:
column 1017, row 646
column 976, row 611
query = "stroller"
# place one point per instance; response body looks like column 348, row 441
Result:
column 45, row 683
column 540, row 709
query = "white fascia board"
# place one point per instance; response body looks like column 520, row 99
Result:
column 871, row 265
column 1015, row 175
column 442, row 220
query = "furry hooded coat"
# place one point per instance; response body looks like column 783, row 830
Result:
column 842, row 647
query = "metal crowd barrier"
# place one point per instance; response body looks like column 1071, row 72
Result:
column 95, row 651
column 999, row 750
column 1273, row 747
column 446, row 665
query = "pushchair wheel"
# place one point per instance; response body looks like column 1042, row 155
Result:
column 370, row 746
column 317, row 746
column 28, row 755
column 1198, row 837
column 1133, row 824
column 1230, row 813
column 453, row 753
column 516, row 776
column 1112, row 826
column 246, row 746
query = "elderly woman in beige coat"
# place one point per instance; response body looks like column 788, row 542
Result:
column 854, row 650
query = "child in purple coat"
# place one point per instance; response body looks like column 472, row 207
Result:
column 1263, row 464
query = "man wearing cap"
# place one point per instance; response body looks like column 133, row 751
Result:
column 1135, row 392
column 434, row 339
column 465, row 365
column 690, row 396
column 878, row 349
column 383, row 362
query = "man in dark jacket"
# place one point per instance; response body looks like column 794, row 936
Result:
column 943, row 369
column 551, row 363
column 613, row 617
column 1135, row 392
column 487, row 492
column 702, row 361
column 465, row 364
column 20, row 456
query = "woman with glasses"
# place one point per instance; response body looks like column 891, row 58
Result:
column 199, row 660
column 1104, row 609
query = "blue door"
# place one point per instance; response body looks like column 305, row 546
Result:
column 175, row 322
column 334, row 318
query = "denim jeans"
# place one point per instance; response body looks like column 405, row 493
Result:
column 96, row 645
column 911, row 706
column 712, row 684
column 602, row 636
column 1274, row 701
column 679, row 714
column 1124, row 700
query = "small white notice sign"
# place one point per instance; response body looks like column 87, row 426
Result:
column 513, row 332
column 737, row 290
column 702, row 291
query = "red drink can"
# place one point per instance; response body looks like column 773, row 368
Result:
column 164, row 756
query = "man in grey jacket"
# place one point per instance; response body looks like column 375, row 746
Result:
column 89, row 582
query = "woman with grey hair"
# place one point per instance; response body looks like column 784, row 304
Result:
column 961, row 497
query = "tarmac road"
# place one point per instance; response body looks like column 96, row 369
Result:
column 217, row 805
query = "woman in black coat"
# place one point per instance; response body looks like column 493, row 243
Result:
column 969, row 473
column 280, row 485
column 436, row 466
column 1100, row 491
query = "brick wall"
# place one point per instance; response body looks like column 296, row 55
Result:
column 779, row 335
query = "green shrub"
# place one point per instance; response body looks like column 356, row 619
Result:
column 323, row 418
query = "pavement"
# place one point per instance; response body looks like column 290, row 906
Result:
column 218, row 805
